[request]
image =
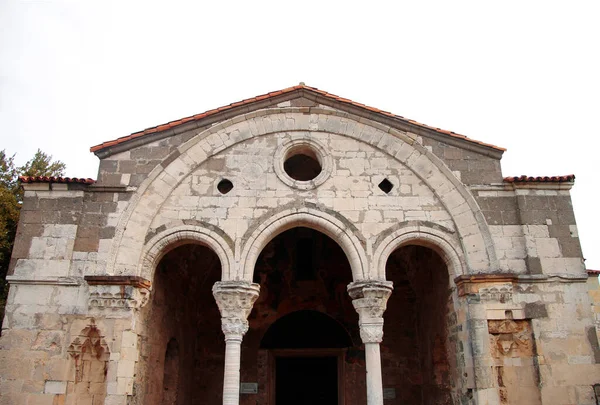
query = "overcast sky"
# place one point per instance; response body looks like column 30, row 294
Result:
column 524, row 75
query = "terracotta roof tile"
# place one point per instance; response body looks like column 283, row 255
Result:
column 272, row 94
column 540, row 179
column 593, row 272
column 49, row 179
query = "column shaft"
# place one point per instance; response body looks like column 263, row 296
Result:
column 374, row 381
column 231, row 380
column 369, row 298
column 235, row 300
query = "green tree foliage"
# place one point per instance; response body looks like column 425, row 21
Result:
column 11, row 197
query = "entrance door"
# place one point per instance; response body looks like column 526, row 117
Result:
column 306, row 380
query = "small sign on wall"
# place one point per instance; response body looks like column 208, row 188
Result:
column 389, row 393
column 248, row 388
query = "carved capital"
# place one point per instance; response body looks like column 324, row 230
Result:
column 370, row 299
column 235, row 300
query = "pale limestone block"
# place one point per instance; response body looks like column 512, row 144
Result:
column 104, row 245
column 453, row 199
column 394, row 215
column 60, row 231
column 439, row 216
column 129, row 340
column 405, row 189
column 415, row 215
column 562, row 265
column 112, row 389
column 574, row 231
column 183, row 214
column 55, row 387
column 361, row 204
column 125, row 385
column 35, row 268
column 125, row 368
column 485, row 193
column 372, row 216
column 580, row 360
column 516, row 252
column 355, row 166
column 547, row 247
column 425, row 167
column 538, row 231
column 512, row 230
column 343, row 204
column 502, row 244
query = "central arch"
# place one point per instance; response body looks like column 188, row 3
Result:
column 303, row 340
column 336, row 227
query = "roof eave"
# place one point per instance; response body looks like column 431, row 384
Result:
column 211, row 117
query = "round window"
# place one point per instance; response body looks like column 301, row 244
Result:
column 302, row 164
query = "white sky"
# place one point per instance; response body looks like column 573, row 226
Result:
column 524, row 75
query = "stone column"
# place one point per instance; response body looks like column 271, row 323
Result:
column 369, row 299
column 235, row 300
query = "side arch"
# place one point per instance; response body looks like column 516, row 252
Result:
column 473, row 232
column 443, row 243
column 334, row 227
column 167, row 240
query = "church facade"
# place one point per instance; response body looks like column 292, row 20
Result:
column 298, row 248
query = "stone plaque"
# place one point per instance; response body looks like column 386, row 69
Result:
column 249, row 388
column 389, row 393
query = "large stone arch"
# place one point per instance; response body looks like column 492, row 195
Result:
column 473, row 232
column 442, row 241
column 338, row 229
column 167, row 240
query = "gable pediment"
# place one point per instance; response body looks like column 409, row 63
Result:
column 300, row 96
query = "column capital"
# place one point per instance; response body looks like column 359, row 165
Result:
column 369, row 298
column 235, row 300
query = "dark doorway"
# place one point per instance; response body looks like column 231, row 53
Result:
column 306, row 380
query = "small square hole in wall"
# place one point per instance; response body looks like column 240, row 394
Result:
column 386, row 186
column 224, row 186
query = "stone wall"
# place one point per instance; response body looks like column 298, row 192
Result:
column 511, row 313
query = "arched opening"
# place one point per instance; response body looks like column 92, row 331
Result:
column 171, row 373
column 299, row 348
column 418, row 360
column 182, row 350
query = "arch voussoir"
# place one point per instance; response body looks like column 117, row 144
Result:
column 163, row 242
column 311, row 218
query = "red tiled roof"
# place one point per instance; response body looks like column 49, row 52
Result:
column 540, row 179
column 593, row 272
column 48, row 179
column 300, row 87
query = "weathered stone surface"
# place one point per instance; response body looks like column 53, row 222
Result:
column 491, row 306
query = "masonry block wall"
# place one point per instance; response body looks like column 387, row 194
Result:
column 94, row 316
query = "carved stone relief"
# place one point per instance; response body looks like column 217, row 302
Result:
column 87, row 347
column 117, row 297
column 510, row 338
column 500, row 293
column 517, row 381
column 117, row 292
